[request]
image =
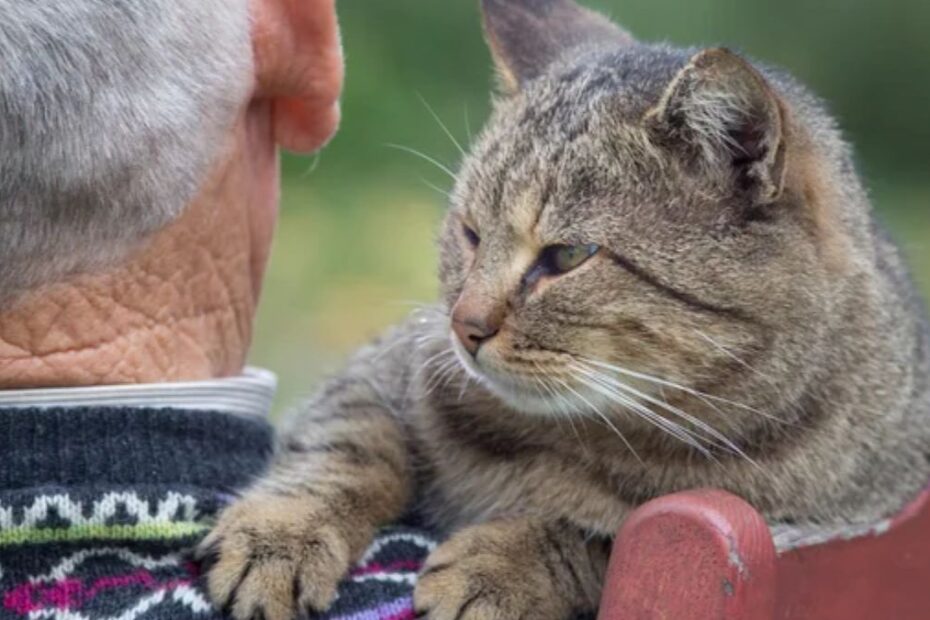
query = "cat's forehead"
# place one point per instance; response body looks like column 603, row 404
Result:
column 569, row 157
column 565, row 124
column 627, row 80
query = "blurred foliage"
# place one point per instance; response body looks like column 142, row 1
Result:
column 355, row 243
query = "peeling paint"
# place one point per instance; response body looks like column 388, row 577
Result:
column 728, row 587
column 734, row 558
column 791, row 537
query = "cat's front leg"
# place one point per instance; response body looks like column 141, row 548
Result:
column 279, row 557
column 280, row 552
column 510, row 570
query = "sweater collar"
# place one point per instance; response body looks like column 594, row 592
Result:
column 249, row 394
column 71, row 448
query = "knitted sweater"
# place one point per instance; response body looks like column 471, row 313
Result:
column 100, row 506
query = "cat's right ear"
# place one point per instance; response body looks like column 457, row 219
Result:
column 526, row 36
column 721, row 111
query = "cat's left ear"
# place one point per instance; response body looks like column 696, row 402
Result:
column 721, row 110
column 526, row 36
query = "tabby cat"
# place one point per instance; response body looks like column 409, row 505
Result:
column 659, row 271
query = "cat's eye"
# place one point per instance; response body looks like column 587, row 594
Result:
column 471, row 235
column 558, row 259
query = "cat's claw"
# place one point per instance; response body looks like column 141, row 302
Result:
column 274, row 557
column 463, row 581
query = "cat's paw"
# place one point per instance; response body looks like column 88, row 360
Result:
column 480, row 574
column 275, row 557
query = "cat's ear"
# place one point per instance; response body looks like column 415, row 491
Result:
column 720, row 109
column 525, row 36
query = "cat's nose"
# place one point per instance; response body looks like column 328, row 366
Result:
column 472, row 332
column 475, row 322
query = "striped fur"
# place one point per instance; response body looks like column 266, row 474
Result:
column 744, row 325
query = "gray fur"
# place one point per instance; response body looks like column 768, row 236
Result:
column 793, row 312
column 531, row 34
column 745, row 325
column 838, row 351
column 111, row 112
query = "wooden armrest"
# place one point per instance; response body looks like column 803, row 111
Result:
column 707, row 555
column 691, row 556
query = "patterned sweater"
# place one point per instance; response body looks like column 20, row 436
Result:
column 99, row 508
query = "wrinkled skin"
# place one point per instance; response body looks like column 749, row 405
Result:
column 181, row 307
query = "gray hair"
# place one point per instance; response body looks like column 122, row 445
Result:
column 111, row 113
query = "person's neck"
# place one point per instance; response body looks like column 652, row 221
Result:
column 111, row 329
column 180, row 309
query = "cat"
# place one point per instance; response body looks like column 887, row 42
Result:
column 659, row 271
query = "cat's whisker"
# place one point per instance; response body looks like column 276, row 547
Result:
column 606, row 420
column 793, row 408
column 703, row 396
column 558, row 401
column 314, row 164
column 424, row 341
column 418, row 341
column 700, row 424
column 432, row 335
column 432, row 327
column 675, row 430
column 450, row 370
column 431, row 386
column 432, row 331
column 436, row 188
column 463, row 389
column 429, row 309
column 433, row 381
column 441, row 124
column 428, row 362
column 386, row 350
column 715, row 438
column 450, row 364
column 562, row 403
column 423, row 156
column 442, row 374
column 733, row 356
column 648, row 415
column 538, row 383
column 438, row 355
column 468, row 126
column 419, row 307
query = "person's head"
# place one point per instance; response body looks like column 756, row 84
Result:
column 137, row 143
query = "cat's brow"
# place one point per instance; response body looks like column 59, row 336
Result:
column 682, row 296
column 544, row 202
column 523, row 214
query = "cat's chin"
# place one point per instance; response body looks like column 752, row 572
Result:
column 520, row 395
column 521, row 399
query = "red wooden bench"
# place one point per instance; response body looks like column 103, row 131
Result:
column 708, row 555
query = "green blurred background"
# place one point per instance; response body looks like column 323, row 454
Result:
column 355, row 242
